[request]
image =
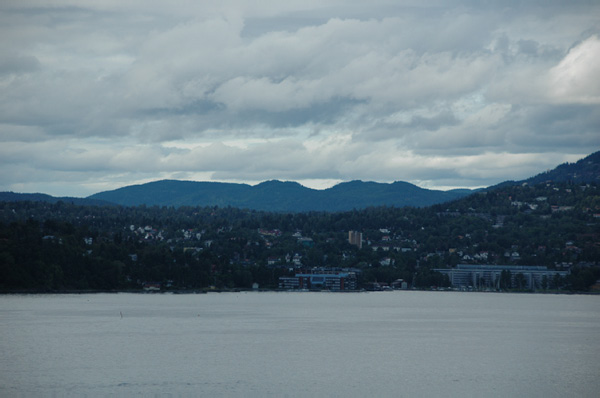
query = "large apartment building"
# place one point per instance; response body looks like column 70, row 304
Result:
column 488, row 276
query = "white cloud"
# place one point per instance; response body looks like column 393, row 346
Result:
column 576, row 79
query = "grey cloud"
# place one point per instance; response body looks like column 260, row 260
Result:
column 540, row 128
column 322, row 114
column 567, row 127
column 256, row 27
column 529, row 47
column 18, row 64
column 301, row 89
column 433, row 123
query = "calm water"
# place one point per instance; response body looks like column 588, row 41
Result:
column 300, row 344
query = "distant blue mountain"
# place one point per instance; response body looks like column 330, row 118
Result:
column 42, row 197
column 292, row 197
column 278, row 196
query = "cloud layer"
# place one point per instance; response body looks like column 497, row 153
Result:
column 442, row 94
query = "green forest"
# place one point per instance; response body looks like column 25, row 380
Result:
column 53, row 247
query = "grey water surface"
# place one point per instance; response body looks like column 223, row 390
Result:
column 272, row 344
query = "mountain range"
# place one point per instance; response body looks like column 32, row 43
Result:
column 277, row 195
column 292, row 197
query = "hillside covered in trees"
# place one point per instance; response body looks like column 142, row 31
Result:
column 277, row 195
column 64, row 247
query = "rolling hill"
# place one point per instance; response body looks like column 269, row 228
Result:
column 277, row 195
column 289, row 196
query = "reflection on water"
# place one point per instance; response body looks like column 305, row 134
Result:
column 300, row 344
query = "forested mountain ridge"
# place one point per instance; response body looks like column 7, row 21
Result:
column 278, row 196
column 292, row 197
column 583, row 171
column 62, row 246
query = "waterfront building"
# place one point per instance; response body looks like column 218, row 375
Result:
column 488, row 276
column 329, row 281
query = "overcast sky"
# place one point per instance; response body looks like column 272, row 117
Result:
column 95, row 95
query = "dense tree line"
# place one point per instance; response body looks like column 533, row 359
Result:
column 64, row 246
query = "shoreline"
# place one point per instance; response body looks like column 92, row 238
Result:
column 206, row 291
